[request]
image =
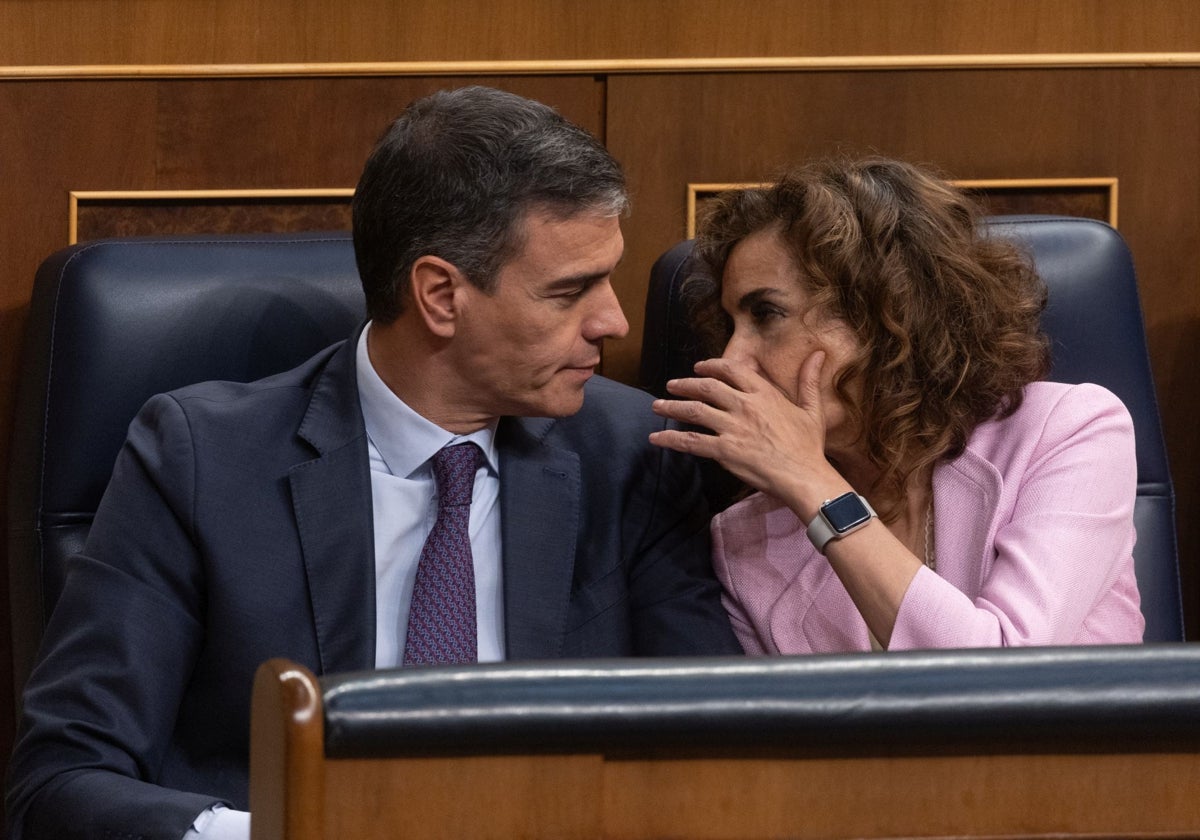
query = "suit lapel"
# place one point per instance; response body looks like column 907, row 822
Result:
column 539, row 505
column 331, row 498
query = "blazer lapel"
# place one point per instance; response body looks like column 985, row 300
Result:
column 814, row 614
column 539, row 506
column 832, row 623
column 966, row 494
column 331, row 498
column 811, row 612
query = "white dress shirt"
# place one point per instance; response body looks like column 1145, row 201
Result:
column 400, row 444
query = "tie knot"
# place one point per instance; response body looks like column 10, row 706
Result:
column 454, row 469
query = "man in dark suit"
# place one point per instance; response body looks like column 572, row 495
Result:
column 294, row 516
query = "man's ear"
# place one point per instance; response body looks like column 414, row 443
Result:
column 435, row 283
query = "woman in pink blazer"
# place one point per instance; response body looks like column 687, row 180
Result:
column 918, row 486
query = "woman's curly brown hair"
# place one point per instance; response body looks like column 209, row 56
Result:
column 948, row 318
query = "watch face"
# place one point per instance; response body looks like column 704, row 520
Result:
column 844, row 512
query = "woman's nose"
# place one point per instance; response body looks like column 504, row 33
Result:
column 738, row 349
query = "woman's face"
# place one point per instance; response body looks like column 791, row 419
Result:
column 776, row 327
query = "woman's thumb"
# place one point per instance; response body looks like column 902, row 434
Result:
column 808, row 380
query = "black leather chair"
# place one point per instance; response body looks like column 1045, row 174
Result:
column 113, row 322
column 1094, row 319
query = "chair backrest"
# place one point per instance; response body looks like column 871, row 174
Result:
column 1094, row 320
column 113, row 322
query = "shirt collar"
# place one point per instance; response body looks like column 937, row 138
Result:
column 406, row 440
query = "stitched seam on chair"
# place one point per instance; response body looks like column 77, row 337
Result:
column 672, row 304
column 50, row 373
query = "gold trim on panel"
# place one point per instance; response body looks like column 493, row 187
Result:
column 612, row 66
column 694, row 190
column 1109, row 184
column 75, row 197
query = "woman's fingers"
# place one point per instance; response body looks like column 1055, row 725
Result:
column 691, row 443
column 766, row 437
column 705, row 400
column 705, row 389
column 692, row 412
column 739, row 376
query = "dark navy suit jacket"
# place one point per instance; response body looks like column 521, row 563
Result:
column 238, row 527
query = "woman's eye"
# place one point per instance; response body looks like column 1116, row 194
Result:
column 765, row 312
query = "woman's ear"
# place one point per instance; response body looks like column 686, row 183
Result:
column 434, row 283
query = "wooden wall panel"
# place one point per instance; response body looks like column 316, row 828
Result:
column 148, row 213
column 70, row 32
column 593, row 797
column 1140, row 126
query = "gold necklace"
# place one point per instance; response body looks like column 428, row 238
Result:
column 930, row 555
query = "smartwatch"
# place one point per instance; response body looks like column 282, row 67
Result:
column 839, row 517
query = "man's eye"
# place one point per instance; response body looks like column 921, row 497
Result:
column 567, row 297
column 570, row 296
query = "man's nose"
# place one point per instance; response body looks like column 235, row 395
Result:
column 608, row 319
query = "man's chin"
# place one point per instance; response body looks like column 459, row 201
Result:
column 562, row 403
column 565, row 407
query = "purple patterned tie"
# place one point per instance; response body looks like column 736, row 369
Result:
column 441, row 619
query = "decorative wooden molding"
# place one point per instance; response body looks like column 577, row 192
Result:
column 697, row 192
column 78, row 197
column 614, row 66
column 1107, row 185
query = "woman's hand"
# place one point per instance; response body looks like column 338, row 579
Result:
column 777, row 445
column 760, row 434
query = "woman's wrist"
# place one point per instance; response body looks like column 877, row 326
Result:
column 805, row 497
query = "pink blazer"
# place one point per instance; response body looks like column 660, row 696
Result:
column 1033, row 536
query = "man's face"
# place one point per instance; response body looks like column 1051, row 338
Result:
column 527, row 348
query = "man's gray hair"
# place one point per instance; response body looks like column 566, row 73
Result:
column 457, row 174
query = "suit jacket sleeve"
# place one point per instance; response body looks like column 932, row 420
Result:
column 101, row 704
column 676, row 605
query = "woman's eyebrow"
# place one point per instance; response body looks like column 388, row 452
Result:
column 754, row 296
